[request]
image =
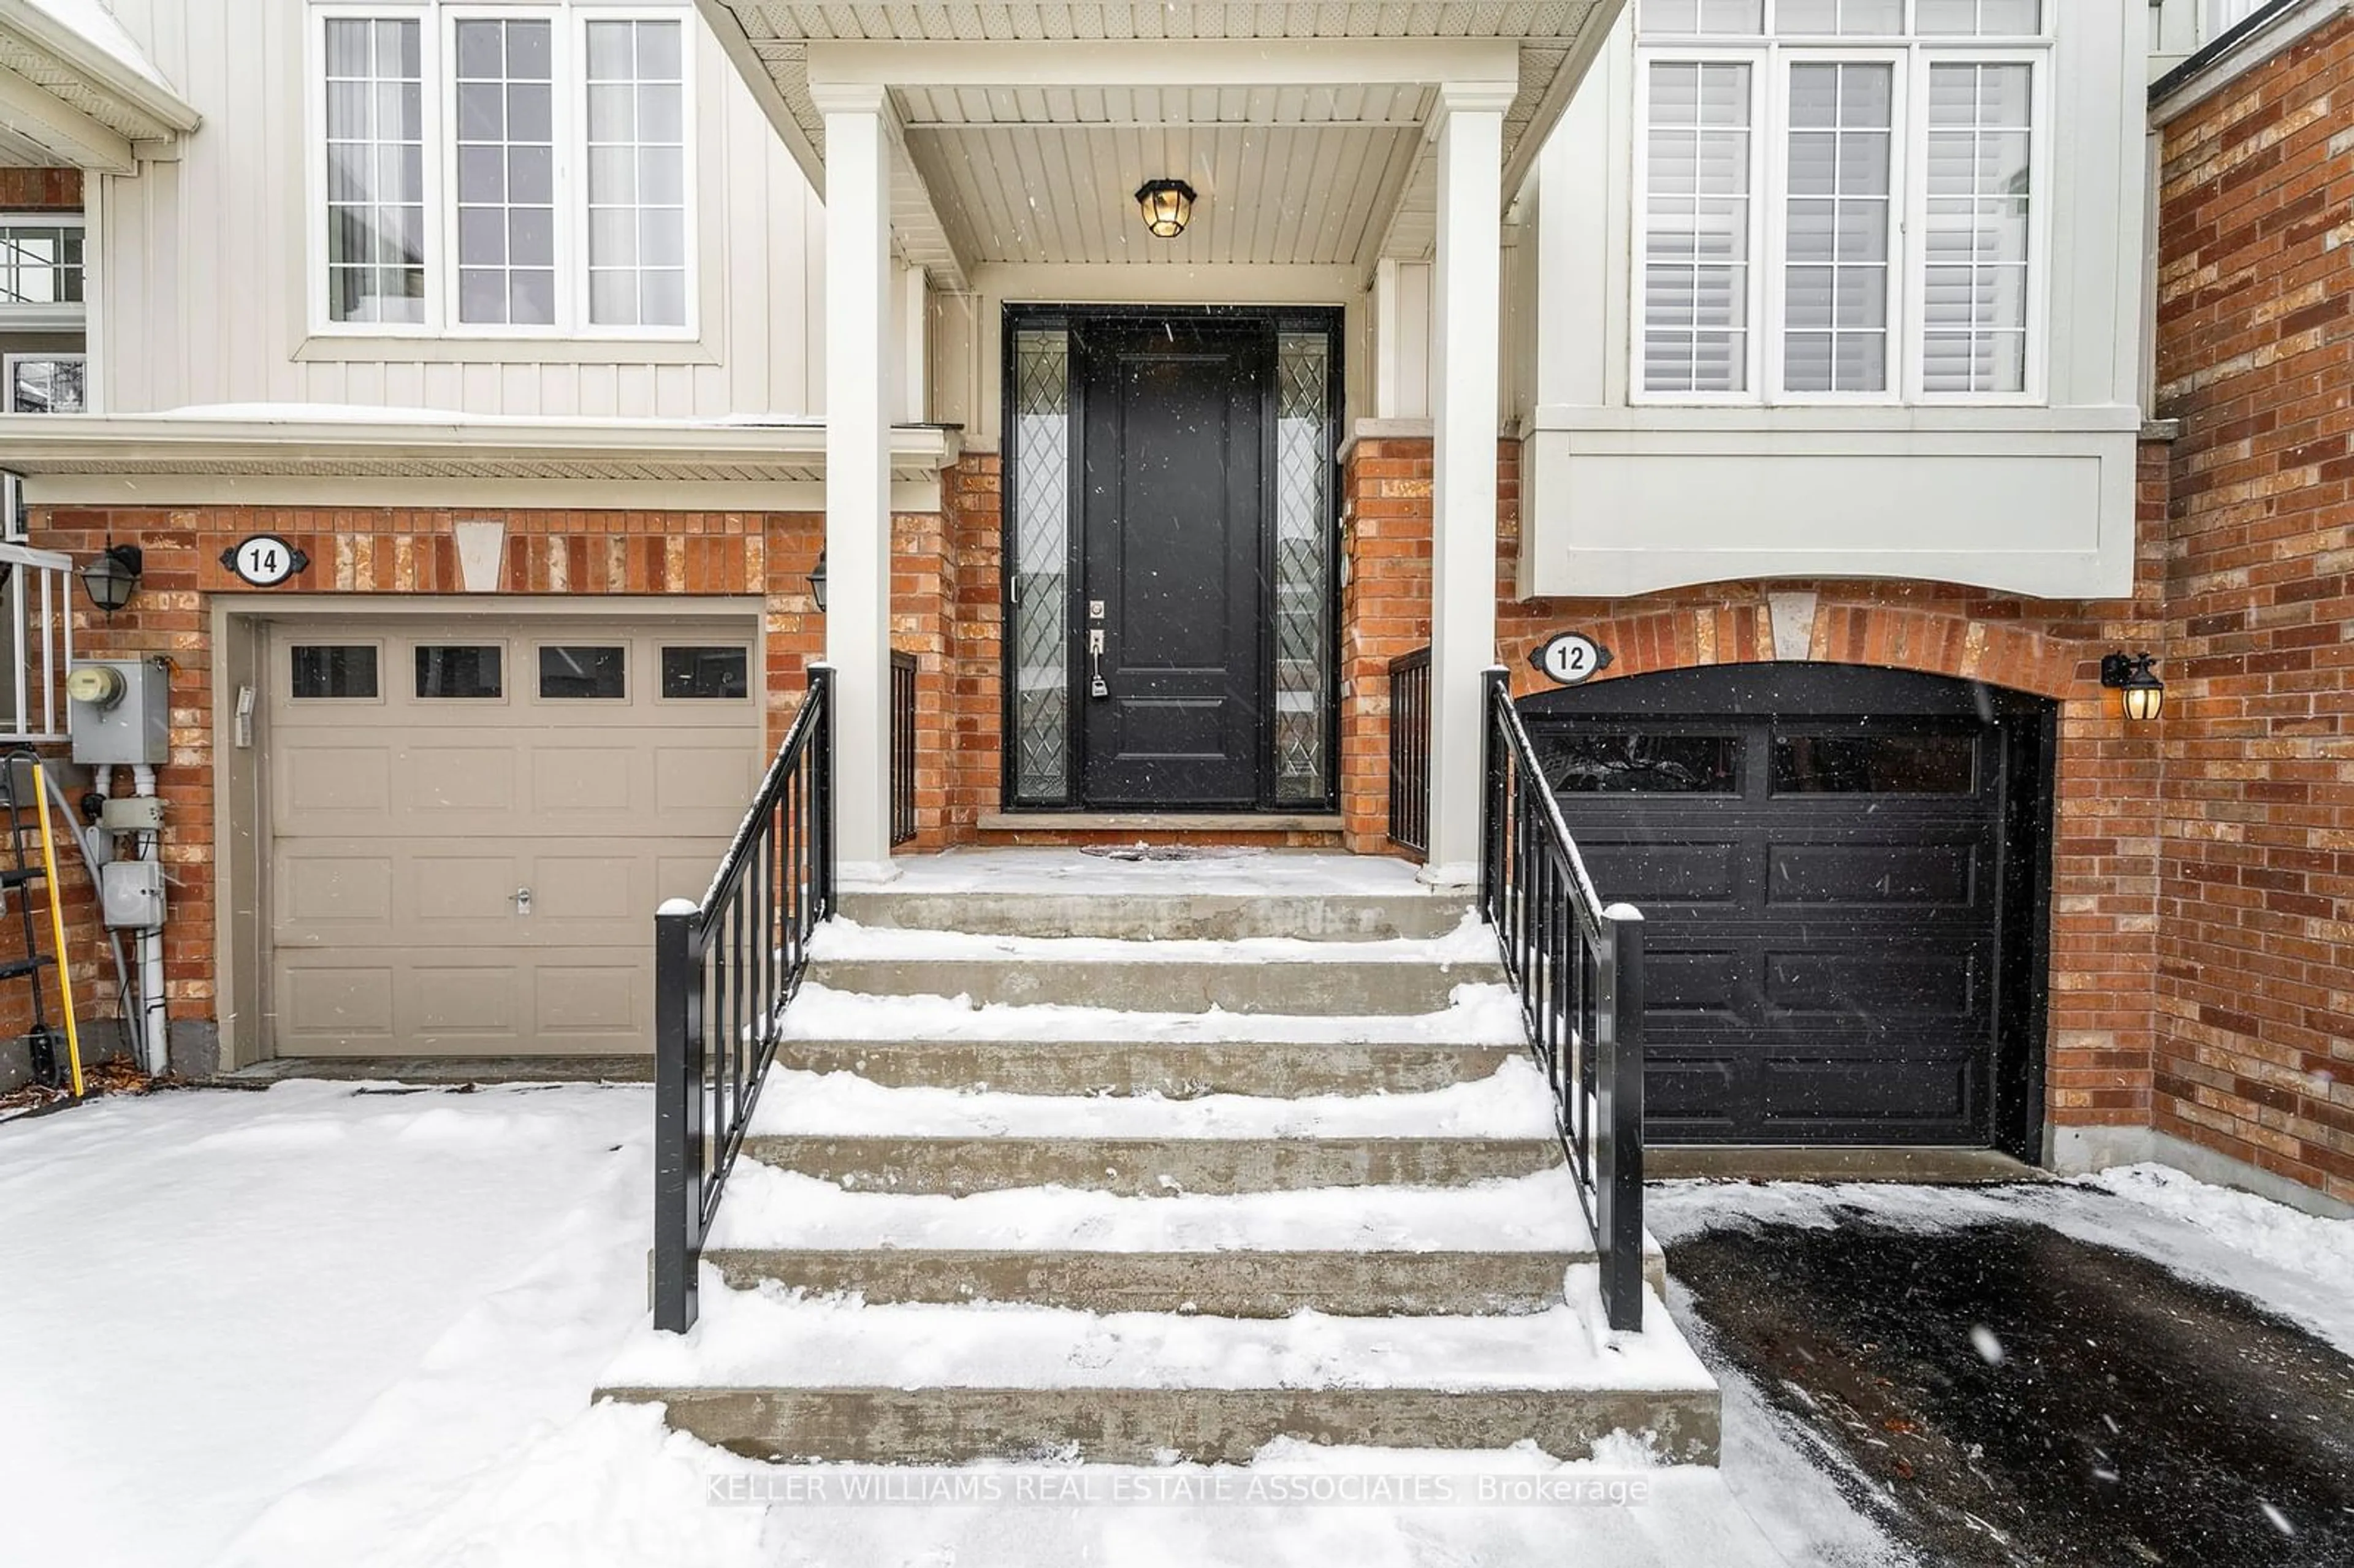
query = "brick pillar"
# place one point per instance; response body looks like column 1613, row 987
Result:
column 976, row 685
column 1384, row 611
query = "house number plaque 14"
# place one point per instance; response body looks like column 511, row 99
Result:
column 263, row 561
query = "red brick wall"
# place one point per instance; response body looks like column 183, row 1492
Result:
column 976, row 679
column 40, row 190
column 2105, row 859
column 365, row 551
column 2255, row 986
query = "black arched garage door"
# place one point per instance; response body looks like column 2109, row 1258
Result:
column 1844, row 874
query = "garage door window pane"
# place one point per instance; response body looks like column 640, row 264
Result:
column 578, row 672
column 335, row 670
column 706, row 672
column 465, row 671
column 1641, row 764
column 1874, row 765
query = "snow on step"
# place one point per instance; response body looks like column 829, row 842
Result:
column 841, row 940
column 1238, row 870
column 1484, row 1246
column 769, row 1338
column 1478, row 1014
column 1539, row 1212
column 1513, row 1104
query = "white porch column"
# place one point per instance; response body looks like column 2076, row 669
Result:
column 1467, row 307
column 858, row 469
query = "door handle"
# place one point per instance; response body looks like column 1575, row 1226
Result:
column 1095, row 686
column 523, row 900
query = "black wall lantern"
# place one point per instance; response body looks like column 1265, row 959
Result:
column 113, row 577
column 2130, row 674
column 1167, row 206
column 817, row 581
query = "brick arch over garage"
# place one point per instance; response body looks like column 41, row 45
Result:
column 1804, row 627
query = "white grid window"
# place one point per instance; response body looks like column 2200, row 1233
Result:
column 1696, row 251
column 1838, row 199
column 40, row 265
column 1974, row 300
column 637, row 175
column 46, row 383
column 1835, row 228
column 1847, row 18
column 375, row 170
column 506, row 172
column 2225, row 14
column 503, row 170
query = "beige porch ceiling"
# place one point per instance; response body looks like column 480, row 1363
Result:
column 1026, row 147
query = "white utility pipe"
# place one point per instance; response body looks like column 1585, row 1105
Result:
column 154, row 1026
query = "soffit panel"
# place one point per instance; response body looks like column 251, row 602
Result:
column 1555, row 39
column 1303, row 194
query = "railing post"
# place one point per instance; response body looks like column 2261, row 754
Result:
column 678, row 1116
column 1492, row 792
column 820, row 692
column 1618, row 1118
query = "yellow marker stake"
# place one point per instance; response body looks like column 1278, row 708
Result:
column 58, row 923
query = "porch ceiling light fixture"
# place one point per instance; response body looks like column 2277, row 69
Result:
column 2130, row 674
column 1167, row 206
column 817, row 581
column 113, row 576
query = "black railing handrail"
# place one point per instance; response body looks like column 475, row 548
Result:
column 1577, row 967
column 735, row 959
column 903, row 747
column 1409, row 726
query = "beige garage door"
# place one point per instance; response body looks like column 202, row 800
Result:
column 473, row 821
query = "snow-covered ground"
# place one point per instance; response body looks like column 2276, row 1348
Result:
column 329, row 1324
column 2294, row 1264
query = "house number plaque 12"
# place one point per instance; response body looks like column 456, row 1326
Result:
column 1572, row 658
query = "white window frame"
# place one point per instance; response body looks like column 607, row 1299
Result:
column 576, row 214
column 8, row 364
column 436, row 22
column 441, row 113
column 1770, row 57
column 2222, row 16
column 2033, row 389
column 58, row 316
column 1761, row 86
column 1776, row 222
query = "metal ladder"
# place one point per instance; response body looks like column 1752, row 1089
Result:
column 29, row 859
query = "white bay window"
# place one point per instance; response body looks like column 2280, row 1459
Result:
column 1837, row 199
column 508, row 171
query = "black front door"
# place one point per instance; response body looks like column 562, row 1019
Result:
column 1170, row 601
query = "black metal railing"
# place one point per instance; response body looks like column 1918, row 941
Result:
column 903, row 747
column 724, row 970
column 1578, row 968
column 1410, row 750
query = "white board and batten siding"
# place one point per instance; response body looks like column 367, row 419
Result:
column 202, row 269
column 1626, row 493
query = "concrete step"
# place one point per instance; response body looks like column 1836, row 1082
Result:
column 1489, row 1248
column 1178, row 1069
column 871, row 1137
column 1148, row 1166
column 890, row 1426
column 1343, row 987
column 1155, row 916
column 1221, row 1284
column 784, row 1378
column 1259, row 975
